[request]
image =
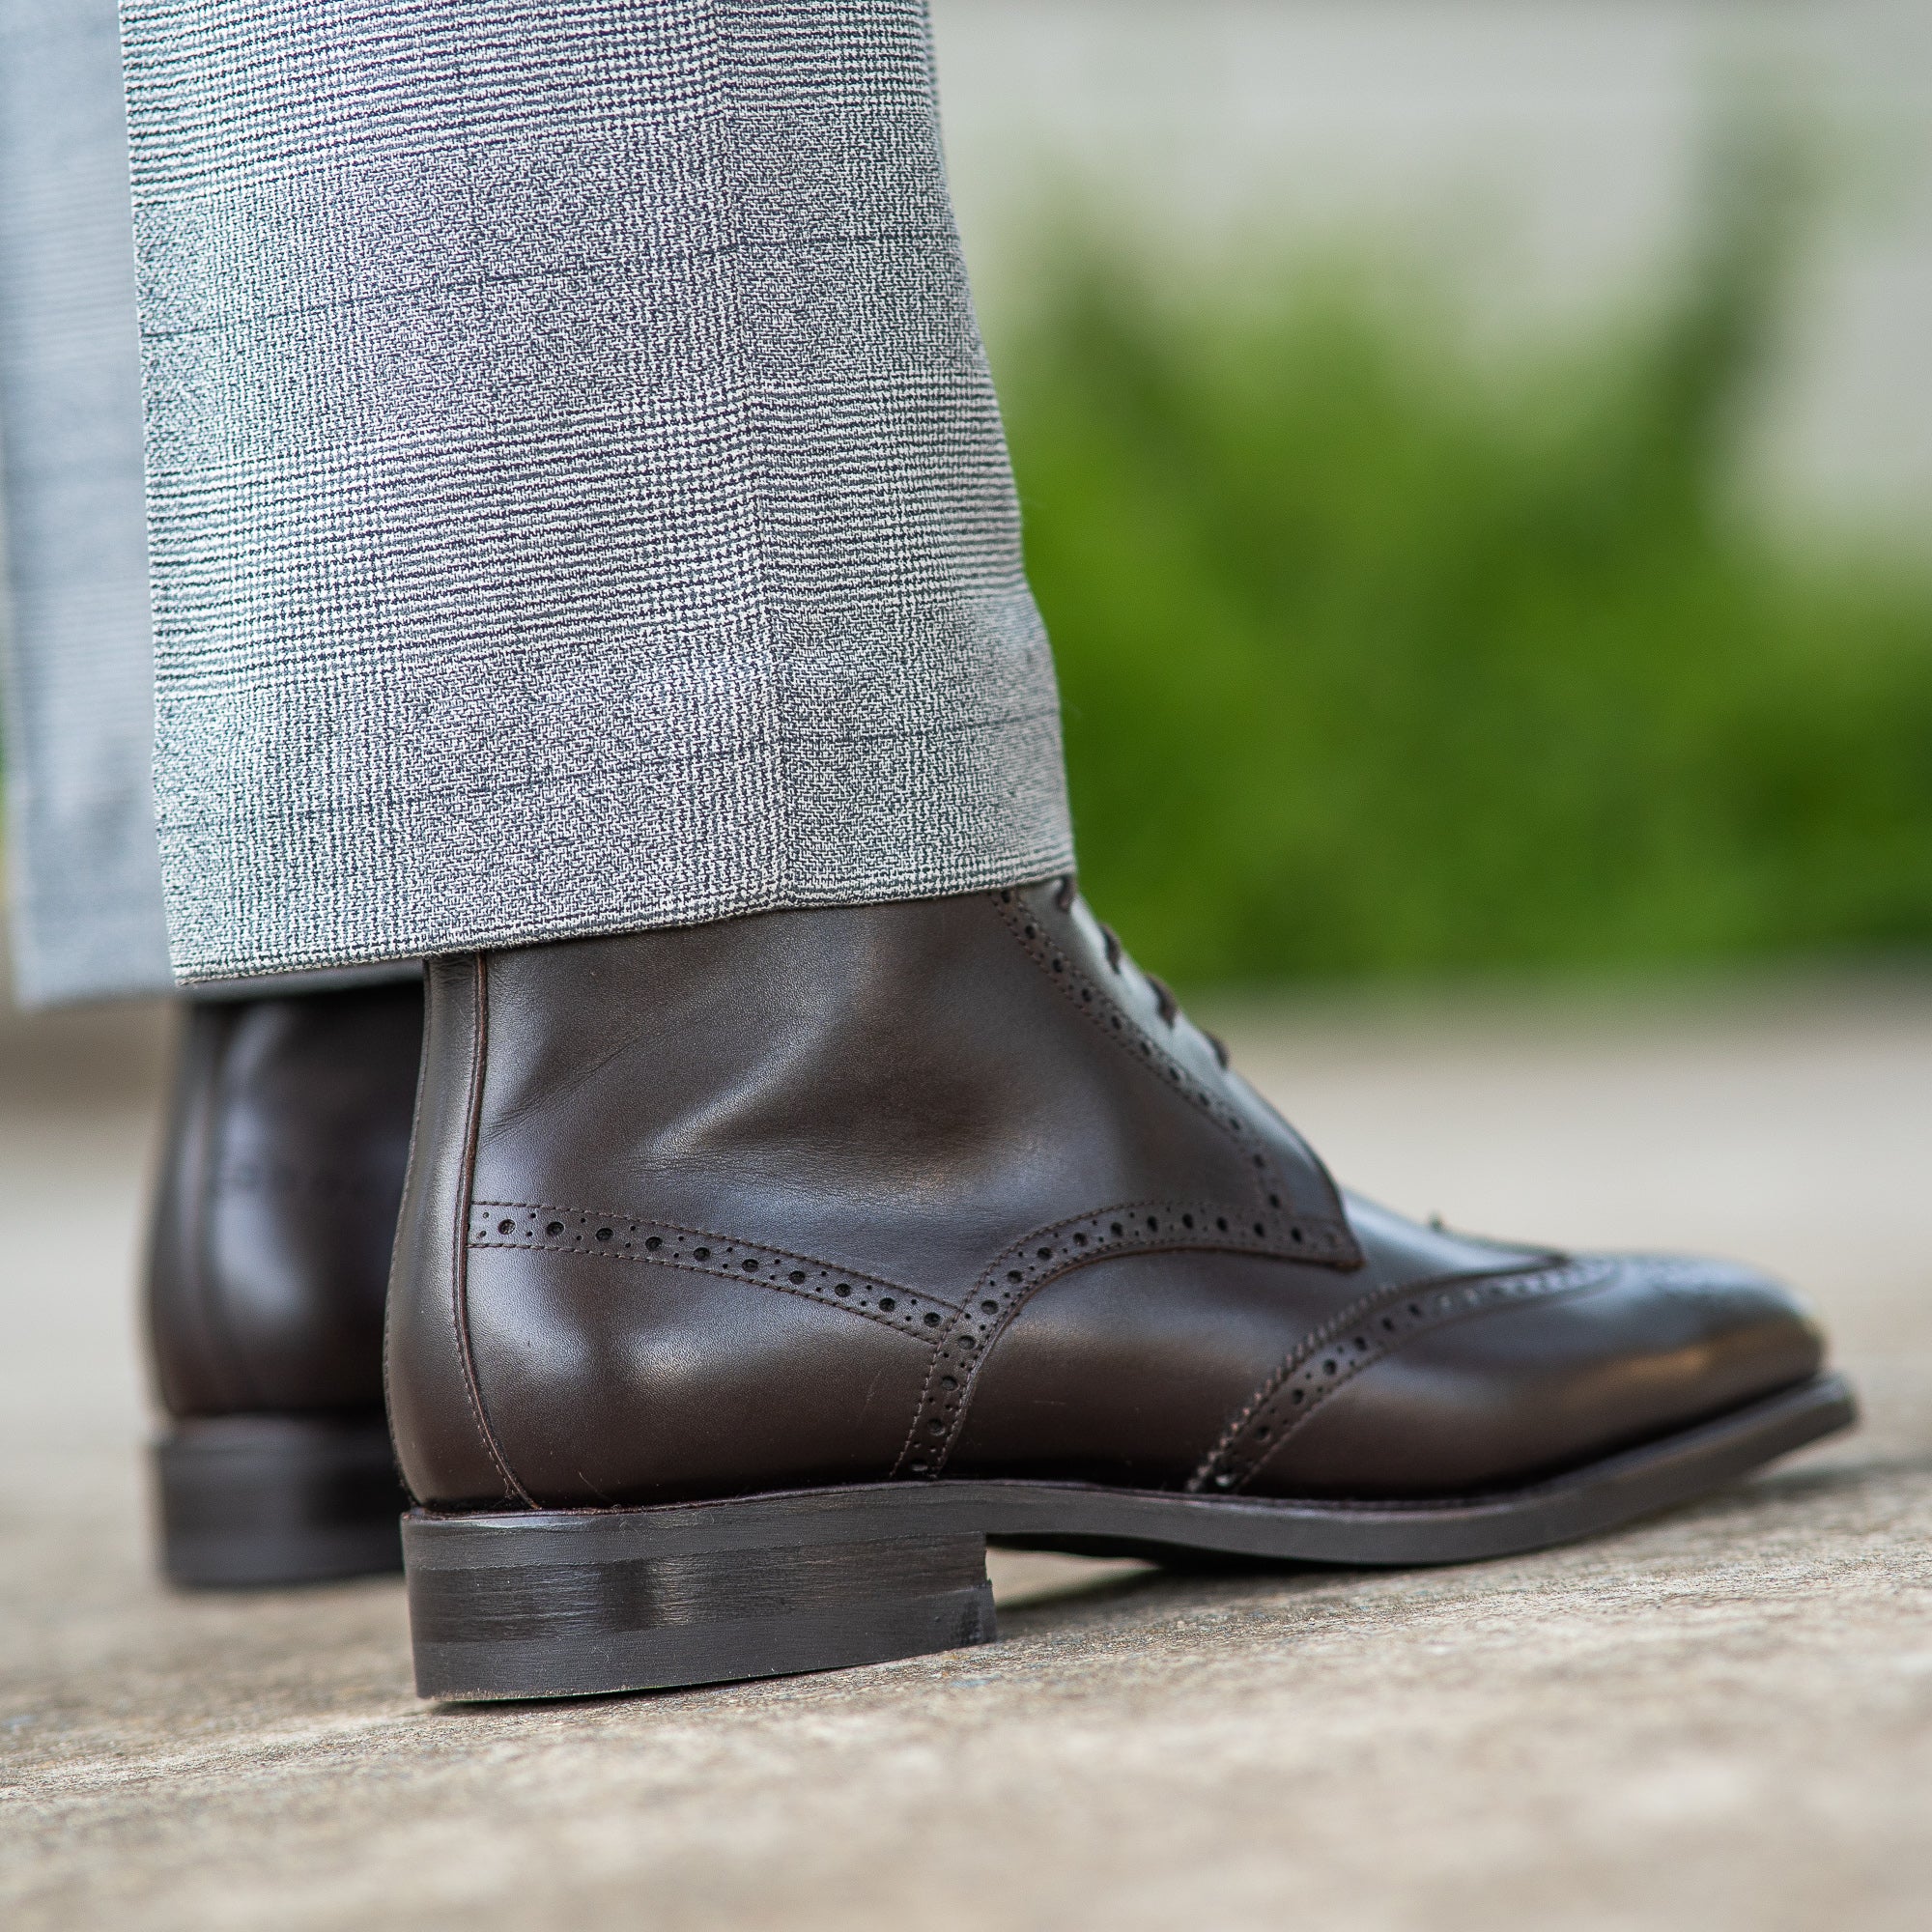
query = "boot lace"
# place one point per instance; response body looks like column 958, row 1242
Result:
column 1066, row 892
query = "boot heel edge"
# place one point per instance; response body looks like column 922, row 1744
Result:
column 254, row 1502
column 560, row 1604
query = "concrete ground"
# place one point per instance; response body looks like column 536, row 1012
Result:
column 1718, row 1718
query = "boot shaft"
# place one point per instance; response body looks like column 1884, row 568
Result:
column 749, row 1201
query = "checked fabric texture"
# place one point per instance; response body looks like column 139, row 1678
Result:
column 82, row 873
column 577, row 498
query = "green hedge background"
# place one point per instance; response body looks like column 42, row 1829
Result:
column 1389, row 651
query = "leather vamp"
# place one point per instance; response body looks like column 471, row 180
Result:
column 949, row 1189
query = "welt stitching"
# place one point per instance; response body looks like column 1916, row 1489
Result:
column 459, row 1272
column 1454, row 1298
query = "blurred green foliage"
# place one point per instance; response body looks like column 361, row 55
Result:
column 1386, row 652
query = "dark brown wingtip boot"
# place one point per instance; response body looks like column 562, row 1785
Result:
column 274, row 1214
column 752, row 1275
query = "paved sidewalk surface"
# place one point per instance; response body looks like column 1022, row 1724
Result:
column 1718, row 1718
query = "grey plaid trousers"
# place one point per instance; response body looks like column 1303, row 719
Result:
column 576, row 495
column 84, row 884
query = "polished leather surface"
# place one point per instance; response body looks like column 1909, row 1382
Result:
column 276, row 1202
column 948, row 1188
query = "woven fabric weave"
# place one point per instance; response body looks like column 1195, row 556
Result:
column 577, row 497
column 83, row 878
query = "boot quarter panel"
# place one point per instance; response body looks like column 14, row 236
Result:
column 614, row 1380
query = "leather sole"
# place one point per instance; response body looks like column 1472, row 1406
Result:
column 564, row 1603
column 250, row 1501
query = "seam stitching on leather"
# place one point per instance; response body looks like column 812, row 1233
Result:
column 1365, row 1308
column 1003, row 1288
column 459, row 1271
column 1434, row 1303
column 904, row 1311
column 1152, row 1057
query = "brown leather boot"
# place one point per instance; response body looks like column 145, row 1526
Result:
column 752, row 1276
column 275, row 1216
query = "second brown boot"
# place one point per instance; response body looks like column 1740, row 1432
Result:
column 752, row 1276
column 276, row 1210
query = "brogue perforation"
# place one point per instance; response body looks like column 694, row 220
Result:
column 1360, row 1336
column 580, row 1231
column 1027, row 923
column 1028, row 1265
